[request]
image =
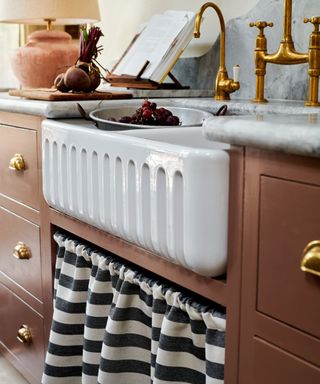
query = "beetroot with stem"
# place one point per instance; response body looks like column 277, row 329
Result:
column 77, row 79
column 85, row 75
column 89, row 49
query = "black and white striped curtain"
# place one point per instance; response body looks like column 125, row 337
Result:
column 114, row 325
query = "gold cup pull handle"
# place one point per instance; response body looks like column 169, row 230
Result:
column 24, row 334
column 21, row 251
column 310, row 262
column 17, row 163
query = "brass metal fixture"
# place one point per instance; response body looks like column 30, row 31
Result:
column 311, row 258
column 21, row 251
column 17, row 163
column 49, row 23
column 223, row 84
column 287, row 55
column 24, row 334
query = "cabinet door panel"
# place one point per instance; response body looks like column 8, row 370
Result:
column 20, row 185
column 273, row 365
column 13, row 314
column 25, row 272
column 289, row 219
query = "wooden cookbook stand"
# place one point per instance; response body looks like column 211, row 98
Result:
column 137, row 82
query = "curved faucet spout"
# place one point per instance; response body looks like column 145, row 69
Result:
column 223, row 86
column 196, row 33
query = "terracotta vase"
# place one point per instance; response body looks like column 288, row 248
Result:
column 46, row 54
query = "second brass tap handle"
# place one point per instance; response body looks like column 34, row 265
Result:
column 261, row 25
column 315, row 21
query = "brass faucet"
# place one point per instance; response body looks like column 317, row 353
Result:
column 287, row 55
column 223, row 85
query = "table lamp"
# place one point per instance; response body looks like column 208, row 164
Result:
column 47, row 52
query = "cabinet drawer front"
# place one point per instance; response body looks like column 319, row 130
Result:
column 13, row 314
column 289, row 220
column 24, row 271
column 21, row 185
column 273, row 365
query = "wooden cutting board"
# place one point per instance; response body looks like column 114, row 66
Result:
column 49, row 94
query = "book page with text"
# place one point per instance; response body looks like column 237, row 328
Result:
column 159, row 36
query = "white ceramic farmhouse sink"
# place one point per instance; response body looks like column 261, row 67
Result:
column 163, row 189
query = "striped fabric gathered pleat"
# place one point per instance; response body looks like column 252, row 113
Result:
column 112, row 324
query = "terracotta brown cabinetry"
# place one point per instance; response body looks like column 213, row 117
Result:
column 224, row 290
column 280, row 313
column 26, row 285
column 25, row 269
column 273, row 316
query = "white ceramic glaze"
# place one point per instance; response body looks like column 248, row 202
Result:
column 165, row 190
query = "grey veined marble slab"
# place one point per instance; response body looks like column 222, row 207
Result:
column 295, row 134
column 279, row 125
column 69, row 109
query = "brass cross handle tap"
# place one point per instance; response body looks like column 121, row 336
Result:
column 259, row 54
column 261, row 41
column 314, row 62
column 261, row 25
column 313, row 20
column 287, row 55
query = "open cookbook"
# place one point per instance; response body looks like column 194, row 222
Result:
column 153, row 52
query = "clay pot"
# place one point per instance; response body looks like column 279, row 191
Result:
column 46, row 54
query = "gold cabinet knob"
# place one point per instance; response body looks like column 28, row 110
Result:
column 24, row 334
column 311, row 258
column 21, row 251
column 17, row 163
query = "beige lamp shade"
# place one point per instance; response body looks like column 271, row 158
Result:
column 62, row 11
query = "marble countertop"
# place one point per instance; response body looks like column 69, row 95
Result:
column 69, row 109
column 285, row 126
column 293, row 134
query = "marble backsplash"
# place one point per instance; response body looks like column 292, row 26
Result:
column 282, row 81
